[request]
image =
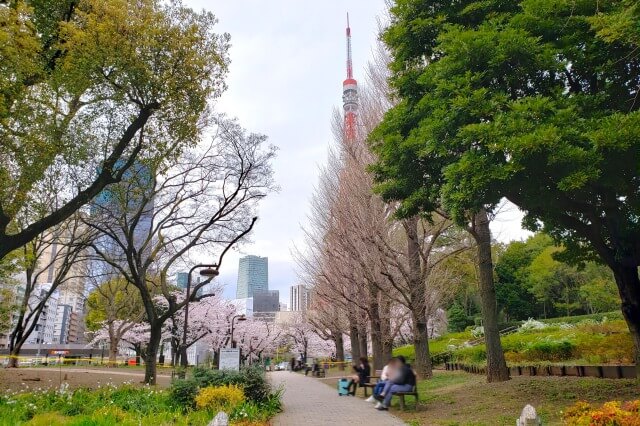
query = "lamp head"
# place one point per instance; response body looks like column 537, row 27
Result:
column 209, row 272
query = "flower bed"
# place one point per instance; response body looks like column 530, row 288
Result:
column 612, row 413
column 134, row 405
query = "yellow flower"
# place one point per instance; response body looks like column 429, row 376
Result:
column 220, row 398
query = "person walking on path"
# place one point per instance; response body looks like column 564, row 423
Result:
column 403, row 381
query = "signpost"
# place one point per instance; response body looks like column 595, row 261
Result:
column 59, row 353
column 230, row 359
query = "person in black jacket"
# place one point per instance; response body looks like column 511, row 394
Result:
column 363, row 373
column 403, row 381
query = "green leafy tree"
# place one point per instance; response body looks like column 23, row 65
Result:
column 535, row 101
column 457, row 318
column 512, row 288
column 559, row 129
column 86, row 86
column 417, row 140
column 599, row 295
column 116, row 305
column 554, row 284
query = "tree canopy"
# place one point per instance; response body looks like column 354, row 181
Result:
column 86, row 86
column 532, row 100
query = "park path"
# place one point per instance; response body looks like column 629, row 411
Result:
column 308, row 401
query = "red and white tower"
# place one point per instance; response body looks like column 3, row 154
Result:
column 350, row 94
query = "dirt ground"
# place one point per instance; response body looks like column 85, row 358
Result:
column 25, row 379
column 458, row 398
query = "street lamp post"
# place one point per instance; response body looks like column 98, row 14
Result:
column 207, row 271
column 239, row 318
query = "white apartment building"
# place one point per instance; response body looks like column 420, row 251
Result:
column 44, row 330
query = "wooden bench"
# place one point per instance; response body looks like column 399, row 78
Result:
column 371, row 384
column 401, row 396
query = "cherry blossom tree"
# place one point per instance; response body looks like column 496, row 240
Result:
column 204, row 201
column 304, row 340
column 255, row 337
column 208, row 322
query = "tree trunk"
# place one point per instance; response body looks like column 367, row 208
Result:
column 339, row 340
column 363, row 343
column 422, row 364
column 629, row 289
column 184, row 360
column 376, row 331
column 385, row 329
column 418, row 300
column 14, row 353
column 497, row 370
column 216, row 357
column 354, row 335
column 152, row 354
column 113, row 355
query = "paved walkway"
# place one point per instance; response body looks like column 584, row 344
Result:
column 308, row 401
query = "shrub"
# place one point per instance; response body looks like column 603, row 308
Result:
column 550, row 350
column 251, row 379
column 216, row 398
column 457, row 318
column 258, row 412
column 477, row 332
column 532, row 324
column 473, row 354
column 600, row 317
column 182, row 394
column 610, row 414
column 255, row 384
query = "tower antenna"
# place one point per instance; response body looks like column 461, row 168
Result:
column 349, row 54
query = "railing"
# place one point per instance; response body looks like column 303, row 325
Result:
column 505, row 332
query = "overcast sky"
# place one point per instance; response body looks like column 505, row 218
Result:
column 287, row 67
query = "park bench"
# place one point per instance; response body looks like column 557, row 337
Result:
column 319, row 372
column 401, row 396
column 371, row 384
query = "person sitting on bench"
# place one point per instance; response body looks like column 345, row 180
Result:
column 387, row 372
column 403, row 381
column 363, row 371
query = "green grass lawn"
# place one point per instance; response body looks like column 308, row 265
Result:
column 458, row 398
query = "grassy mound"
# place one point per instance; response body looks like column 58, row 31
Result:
column 582, row 340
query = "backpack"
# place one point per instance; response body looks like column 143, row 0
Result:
column 343, row 387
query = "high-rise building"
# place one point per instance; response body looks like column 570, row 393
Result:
column 253, row 275
column 181, row 279
column 44, row 329
column 299, row 298
column 117, row 204
column 62, row 324
column 71, row 293
column 266, row 304
column 266, row 301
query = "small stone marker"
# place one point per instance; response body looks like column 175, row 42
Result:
column 528, row 417
column 221, row 419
